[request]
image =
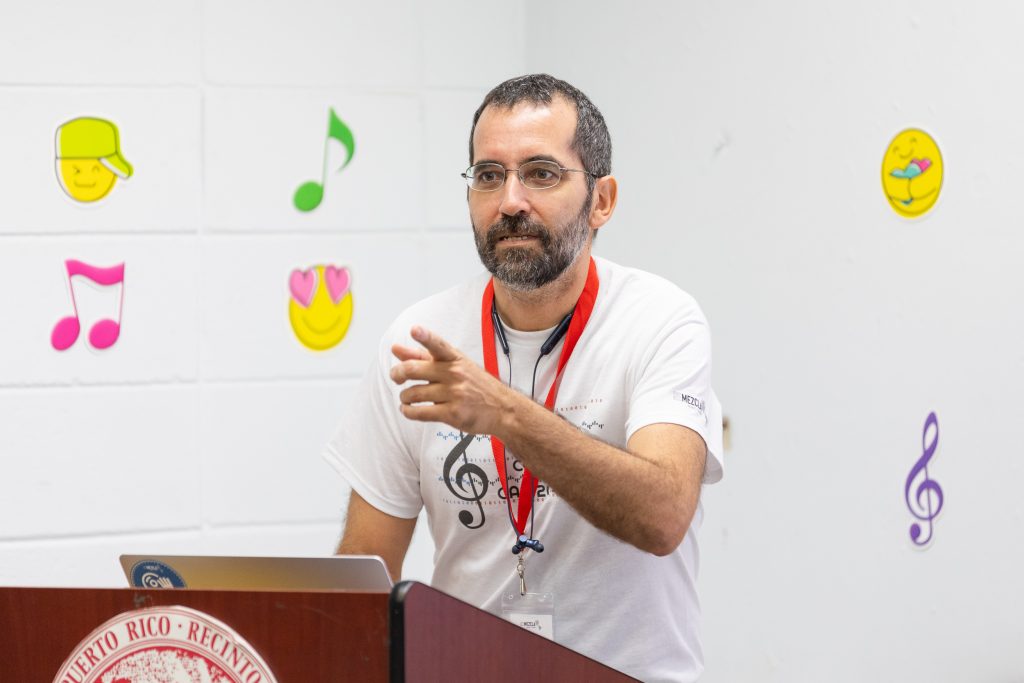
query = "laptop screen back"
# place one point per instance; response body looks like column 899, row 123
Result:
column 366, row 573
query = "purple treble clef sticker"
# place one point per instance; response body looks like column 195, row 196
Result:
column 925, row 499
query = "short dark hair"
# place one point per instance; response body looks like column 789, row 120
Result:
column 591, row 141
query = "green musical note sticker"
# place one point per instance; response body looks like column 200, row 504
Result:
column 311, row 193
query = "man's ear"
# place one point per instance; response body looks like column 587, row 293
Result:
column 606, row 192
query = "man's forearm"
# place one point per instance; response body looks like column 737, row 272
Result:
column 368, row 531
column 645, row 495
column 647, row 502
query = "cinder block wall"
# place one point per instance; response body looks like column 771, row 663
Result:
column 200, row 430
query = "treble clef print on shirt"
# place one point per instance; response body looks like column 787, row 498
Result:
column 467, row 474
column 924, row 501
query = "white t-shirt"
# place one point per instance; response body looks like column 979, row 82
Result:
column 644, row 358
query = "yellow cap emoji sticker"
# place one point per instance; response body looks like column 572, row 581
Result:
column 89, row 159
column 912, row 173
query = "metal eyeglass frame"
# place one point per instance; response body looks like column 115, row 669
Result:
column 562, row 170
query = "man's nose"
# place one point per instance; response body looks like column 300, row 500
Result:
column 514, row 197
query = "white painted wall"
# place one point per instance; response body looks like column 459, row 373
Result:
column 200, row 431
column 749, row 139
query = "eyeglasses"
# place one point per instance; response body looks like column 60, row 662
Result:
column 536, row 175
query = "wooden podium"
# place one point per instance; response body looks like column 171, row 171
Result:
column 414, row 634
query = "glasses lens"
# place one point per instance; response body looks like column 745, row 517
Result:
column 540, row 174
column 485, row 177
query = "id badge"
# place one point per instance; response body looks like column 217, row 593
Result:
column 532, row 611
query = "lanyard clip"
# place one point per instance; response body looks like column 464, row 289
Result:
column 525, row 541
column 521, row 570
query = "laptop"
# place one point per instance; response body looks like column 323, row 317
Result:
column 366, row 573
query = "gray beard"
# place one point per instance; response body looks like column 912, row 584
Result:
column 521, row 269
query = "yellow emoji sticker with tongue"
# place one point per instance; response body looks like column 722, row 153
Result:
column 320, row 308
column 912, row 172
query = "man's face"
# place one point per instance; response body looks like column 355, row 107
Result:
column 525, row 237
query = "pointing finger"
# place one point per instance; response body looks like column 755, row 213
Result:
column 439, row 349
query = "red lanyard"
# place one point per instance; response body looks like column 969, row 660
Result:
column 581, row 314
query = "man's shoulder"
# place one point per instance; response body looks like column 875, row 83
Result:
column 639, row 290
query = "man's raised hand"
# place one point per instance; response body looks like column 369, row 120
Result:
column 451, row 388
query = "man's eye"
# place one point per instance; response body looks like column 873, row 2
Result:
column 542, row 175
column 487, row 177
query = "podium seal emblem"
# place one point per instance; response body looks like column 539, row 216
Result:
column 164, row 645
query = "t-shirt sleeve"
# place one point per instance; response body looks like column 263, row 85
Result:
column 370, row 450
column 673, row 385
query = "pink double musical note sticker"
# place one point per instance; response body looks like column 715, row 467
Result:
column 105, row 332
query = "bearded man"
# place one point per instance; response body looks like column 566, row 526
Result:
column 555, row 416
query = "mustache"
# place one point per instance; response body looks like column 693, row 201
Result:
column 516, row 226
